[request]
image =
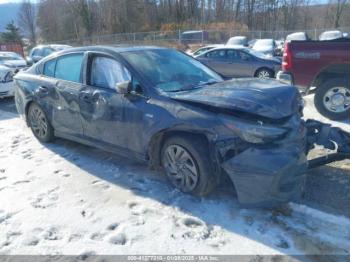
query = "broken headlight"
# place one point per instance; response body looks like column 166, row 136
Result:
column 254, row 132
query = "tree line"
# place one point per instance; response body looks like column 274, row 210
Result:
column 55, row 20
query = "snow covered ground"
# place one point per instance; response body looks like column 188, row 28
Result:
column 66, row 198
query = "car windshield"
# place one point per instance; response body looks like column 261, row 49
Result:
column 171, row 71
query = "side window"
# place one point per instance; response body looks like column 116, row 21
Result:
column 231, row 54
column 106, row 72
column 49, row 68
column 68, row 67
column 244, row 56
column 216, row 54
column 47, row 51
column 37, row 52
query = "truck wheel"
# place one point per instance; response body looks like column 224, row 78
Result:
column 264, row 73
column 187, row 165
column 332, row 99
column 39, row 124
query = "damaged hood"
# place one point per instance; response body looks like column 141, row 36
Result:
column 267, row 98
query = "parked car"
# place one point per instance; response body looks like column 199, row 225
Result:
column 41, row 51
column 163, row 107
column 12, row 60
column 10, row 64
column 192, row 37
column 6, row 81
column 251, row 43
column 324, row 65
column 204, row 49
column 266, row 46
column 240, row 62
column 238, row 41
column 331, row 35
column 297, row 36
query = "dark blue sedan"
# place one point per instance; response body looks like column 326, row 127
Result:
column 163, row 107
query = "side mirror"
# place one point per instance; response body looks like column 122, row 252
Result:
column 123, row 87
column 29, row 61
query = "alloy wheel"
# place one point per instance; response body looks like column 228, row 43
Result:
column 181, row 168
column 264, row 74
column 38, row 121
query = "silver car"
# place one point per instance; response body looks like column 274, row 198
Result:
column 240, row 62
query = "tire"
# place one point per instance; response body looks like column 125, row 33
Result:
column 197, row 149
column 264, row 73
column 39, row 124
column 328, row 98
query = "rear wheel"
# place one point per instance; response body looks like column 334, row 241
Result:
column 332, row 99
column 187, row 165
column 264, row 73
column 39, row 124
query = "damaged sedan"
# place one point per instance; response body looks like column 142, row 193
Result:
column 165, row 108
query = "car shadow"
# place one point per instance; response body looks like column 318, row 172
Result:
column 220, row 209
column 7, row 108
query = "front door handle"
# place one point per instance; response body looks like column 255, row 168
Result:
column 86, row 96
column 43, row 89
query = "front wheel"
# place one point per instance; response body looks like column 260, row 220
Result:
column 39, row 124
column 187, row 165
column 332, row 99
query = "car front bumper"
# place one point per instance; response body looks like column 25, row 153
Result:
column 268, row 176
column 6, row 89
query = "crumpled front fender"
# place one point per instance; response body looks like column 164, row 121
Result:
column 267, row 176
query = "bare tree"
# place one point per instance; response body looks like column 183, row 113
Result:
column 27, row 20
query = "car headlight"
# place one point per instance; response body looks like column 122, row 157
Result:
column 254, row 132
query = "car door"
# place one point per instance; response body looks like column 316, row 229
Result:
column 66, row 111
column 243, row 64
column 216, row 60
column 108, row 116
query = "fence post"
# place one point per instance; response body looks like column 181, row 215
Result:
column 315, row 35
column 134, row 35
column 179, row 37
column 202, row 36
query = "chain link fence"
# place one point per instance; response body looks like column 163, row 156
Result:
column 188, row 37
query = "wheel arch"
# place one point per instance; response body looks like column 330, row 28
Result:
column 329, row 72
column 157, row 141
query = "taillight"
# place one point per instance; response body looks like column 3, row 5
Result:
column 287, row 58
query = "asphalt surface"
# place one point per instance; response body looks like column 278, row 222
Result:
column 327, row 187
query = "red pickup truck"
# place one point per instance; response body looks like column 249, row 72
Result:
column 324, row 65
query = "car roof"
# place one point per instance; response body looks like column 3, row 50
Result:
column 6, row 53
column 115, row 49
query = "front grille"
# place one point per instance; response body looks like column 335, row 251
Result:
column 3, row 93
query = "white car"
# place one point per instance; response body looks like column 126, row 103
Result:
column 203, row 49
column 12, row 60
column 266, row 46
column 6, row 81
